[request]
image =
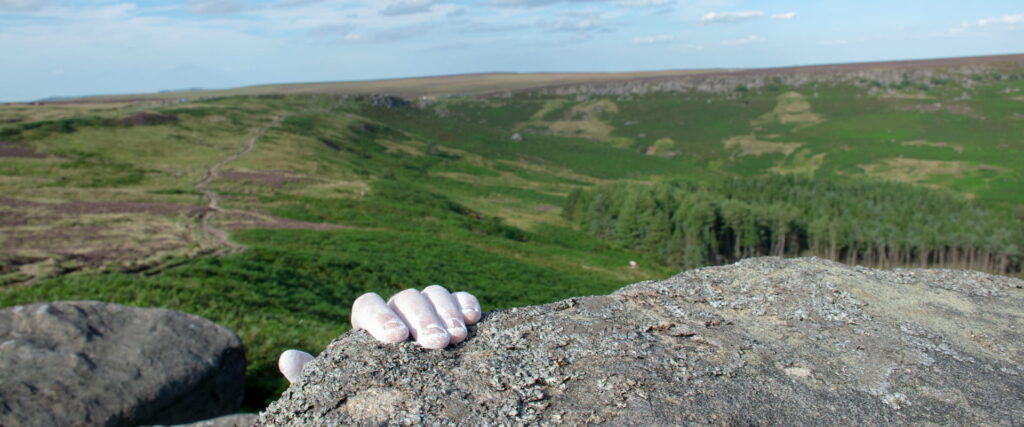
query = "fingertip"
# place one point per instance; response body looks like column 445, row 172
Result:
column 371, row 313
column 393, row 332
column 469, row 306
column 368, row 296
column 433, row 337
column 434, row 287
column 472, row 316
column 291, row 363
column 458, row 334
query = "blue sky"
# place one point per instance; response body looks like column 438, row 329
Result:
column 60, row 48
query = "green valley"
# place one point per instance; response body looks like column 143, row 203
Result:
column 325, row 195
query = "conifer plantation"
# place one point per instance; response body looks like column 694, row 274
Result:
column 881, row 224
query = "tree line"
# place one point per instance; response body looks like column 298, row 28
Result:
column 690, row 224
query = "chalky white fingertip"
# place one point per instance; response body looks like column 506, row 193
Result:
column 291, row 363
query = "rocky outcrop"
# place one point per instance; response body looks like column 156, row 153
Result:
column 764, row 341
column 233, row 420
column 87, row 363
column 964, row 72
column 385, row 101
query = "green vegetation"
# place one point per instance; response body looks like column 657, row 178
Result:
column 294, row 288
column 691, row 224
column 349, row 195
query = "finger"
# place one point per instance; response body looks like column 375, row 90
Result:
column 469, row 305
column 418, row 313
column 448, row 310
column 371, row 313
column 291, row 363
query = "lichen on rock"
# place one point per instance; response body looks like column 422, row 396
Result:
column 765, row 340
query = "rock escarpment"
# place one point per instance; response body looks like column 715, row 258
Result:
column 766, row 341
column 233, row 420
column 87, row 363
column 876, row 77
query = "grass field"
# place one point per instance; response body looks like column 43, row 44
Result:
column 99, row 200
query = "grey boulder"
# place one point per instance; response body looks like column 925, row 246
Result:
column 87, row 363
column 763, row 341
column 233, row 420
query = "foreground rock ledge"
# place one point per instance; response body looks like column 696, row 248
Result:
column 88, row 363
column 763, row 341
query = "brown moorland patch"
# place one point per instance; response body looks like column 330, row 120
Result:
column 749, row 145
column 959, row 148
column 147, row 119
column 160, row 209
column 16, row 149
column 41, row 239
column 79, row 207
column 239, row 220
column 274, row 179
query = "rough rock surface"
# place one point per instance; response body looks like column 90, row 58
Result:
column 233, row 420
column 764, row 341
column 87, row 363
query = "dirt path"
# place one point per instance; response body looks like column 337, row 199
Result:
column 203, row 187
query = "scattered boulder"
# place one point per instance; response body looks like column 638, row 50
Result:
column 517, row 137
column 386, row 101
column 763, row 341
column 88, row 363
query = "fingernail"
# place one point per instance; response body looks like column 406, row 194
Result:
column 434, row 337
column 393, row 332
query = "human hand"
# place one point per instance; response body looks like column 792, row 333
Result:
column 410, row 312
column 434, row 317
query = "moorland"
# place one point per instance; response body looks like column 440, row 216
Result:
column 269, row 209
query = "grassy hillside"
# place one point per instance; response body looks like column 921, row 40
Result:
column 324, row 197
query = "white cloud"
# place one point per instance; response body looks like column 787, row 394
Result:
column 644, row 3
column 658, row 39
column 329, row 30
column 578, row 23
column 1004, row 22
column 743, row 41
column 296, row 3
column 535, row 3
column 730, row 17
column 474, row 26
column 23, row 5
column 538, row 3
column 784, row 16
column 215, row 7
column 389, row 34
column 408, row 7
column 1010, row 20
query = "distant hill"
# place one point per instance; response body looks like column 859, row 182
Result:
column 485, row 83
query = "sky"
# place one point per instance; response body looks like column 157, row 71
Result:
column 85, row 47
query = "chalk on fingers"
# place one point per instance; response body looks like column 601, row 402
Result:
column 291, row 363
column 469, row 305
column 370, row 312
column 448, row 310
column 418, row 313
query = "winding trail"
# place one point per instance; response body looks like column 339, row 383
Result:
column 213, row 207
